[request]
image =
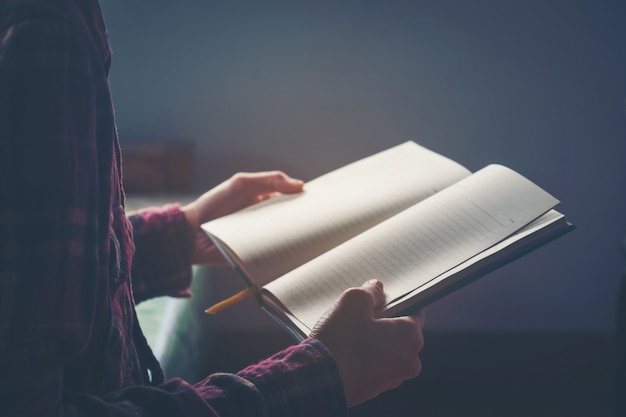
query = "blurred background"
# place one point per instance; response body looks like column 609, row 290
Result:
column 308, row 86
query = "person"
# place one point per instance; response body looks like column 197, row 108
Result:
column 73, row 265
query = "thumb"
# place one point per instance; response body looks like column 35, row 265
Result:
column 376, row 290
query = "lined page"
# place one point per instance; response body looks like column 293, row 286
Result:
column 418, row 244
column 282, row 233
column 545, row 223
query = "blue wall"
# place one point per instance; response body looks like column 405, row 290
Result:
column 306, row 86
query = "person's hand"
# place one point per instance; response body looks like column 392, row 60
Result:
column 239, row 191
column 373, row 354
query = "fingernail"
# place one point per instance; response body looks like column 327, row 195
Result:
column 375, row 282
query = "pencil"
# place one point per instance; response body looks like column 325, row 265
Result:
column 241, row 295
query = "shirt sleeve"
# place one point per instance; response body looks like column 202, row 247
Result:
column 302, row 380
column 163, row 248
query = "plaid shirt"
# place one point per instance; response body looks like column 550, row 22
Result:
column 70, row 343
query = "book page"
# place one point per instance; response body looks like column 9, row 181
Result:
column 544, row 226
column 275, row 236
column 418, row 244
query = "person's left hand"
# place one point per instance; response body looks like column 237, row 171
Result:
column 239, row 191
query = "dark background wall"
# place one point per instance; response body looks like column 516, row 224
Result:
column 306, row 86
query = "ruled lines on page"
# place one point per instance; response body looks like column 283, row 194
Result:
column 419, row 244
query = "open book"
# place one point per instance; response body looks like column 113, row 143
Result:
column 418, row 221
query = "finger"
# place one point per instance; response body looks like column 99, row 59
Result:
column 416, row 321
column 376, row 290
column 283, row 183
column 420, row 318
column 361, row 302
column 215, row 258
column 266, row 183
column 419, row 315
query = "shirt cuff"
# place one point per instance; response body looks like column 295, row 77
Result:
column 163, row 250
column 303, row 380
column 300, row 381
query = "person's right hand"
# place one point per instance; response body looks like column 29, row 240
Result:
column 373, row 354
